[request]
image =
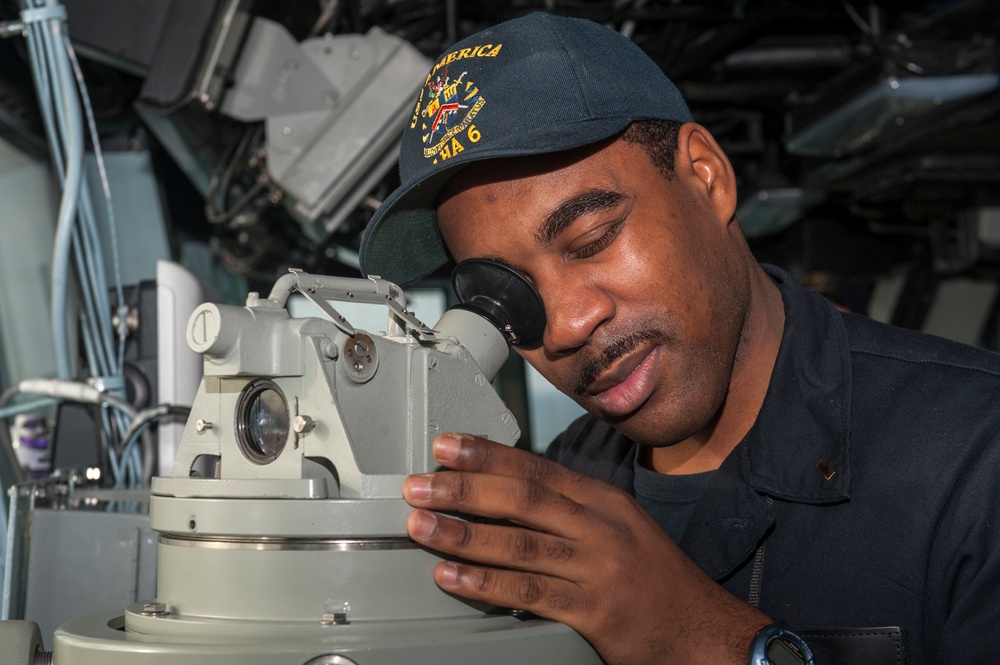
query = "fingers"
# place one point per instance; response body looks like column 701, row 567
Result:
column 464, row 452
column 496, row 545
column 546, row 596
column 519, row 500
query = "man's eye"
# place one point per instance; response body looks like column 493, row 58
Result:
column 592, row 248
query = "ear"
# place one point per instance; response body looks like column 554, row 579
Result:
column 706, row 166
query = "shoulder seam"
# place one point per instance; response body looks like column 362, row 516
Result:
column 928, row 361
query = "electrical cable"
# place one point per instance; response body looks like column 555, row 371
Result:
column 75, row 391
column 223, row 174
column 51, row 59
column 72, row 135
column 140, row 425
column 8, row 412
column 61, row 92
column 126, row 472
column 38, row 53
column 112, row 223
column 238, row 207
column 93, row 277
column 324, row 18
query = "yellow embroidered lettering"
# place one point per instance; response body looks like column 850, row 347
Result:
column 456, row 147
column 464, row 53
column 445, row 152
column 474, row 134
column 416, row 114
column 494, row 52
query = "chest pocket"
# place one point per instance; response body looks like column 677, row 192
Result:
column 861, row 646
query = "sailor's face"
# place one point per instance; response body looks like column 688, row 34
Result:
column 643, row 299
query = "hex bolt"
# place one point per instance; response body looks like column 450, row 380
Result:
column 202, row 426
column 331, row 618
column 155, row 609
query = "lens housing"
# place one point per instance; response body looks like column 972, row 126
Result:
column 263, row 421
column 502, row 296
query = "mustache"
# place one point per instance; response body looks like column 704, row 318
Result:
column 612, row 352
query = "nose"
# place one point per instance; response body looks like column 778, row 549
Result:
column 573, row 313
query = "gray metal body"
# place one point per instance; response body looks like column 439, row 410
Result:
column 334, row 108
column 297, row 552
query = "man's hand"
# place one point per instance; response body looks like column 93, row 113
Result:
column 575, row 550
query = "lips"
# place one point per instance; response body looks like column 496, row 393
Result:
column 629, row 384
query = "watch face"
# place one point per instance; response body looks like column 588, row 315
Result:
column 780, row 652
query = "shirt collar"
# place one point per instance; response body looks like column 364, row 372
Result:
column 798, row 448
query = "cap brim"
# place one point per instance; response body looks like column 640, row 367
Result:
column 402, row 242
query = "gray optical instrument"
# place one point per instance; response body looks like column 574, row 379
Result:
column 502, row 296
column 282, row 528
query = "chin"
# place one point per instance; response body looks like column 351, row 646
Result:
column 659, row 425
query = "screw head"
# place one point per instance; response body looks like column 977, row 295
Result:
column 303, row 424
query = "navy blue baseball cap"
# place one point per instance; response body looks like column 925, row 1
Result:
column 535, row 84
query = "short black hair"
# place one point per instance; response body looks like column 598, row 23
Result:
column 658, row 138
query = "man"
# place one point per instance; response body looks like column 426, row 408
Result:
column 752, row 455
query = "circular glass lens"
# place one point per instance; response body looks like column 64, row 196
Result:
column 263, row 421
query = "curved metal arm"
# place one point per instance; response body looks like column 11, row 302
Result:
column 319, row 289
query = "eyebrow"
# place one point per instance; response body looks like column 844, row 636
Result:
column 572, row 209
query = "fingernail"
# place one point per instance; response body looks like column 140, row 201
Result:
column 422, row 524
column 446, row 448
column 418, row 488
column 449, row 574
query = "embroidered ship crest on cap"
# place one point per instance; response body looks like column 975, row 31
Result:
column 447, row 107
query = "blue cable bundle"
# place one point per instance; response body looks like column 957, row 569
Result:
column 63, row 100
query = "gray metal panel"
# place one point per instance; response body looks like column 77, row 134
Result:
column 80, row 562
column 141, row 229
column 27, row 226
column 960, row 309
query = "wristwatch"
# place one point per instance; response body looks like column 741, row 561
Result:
column 776, row 644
